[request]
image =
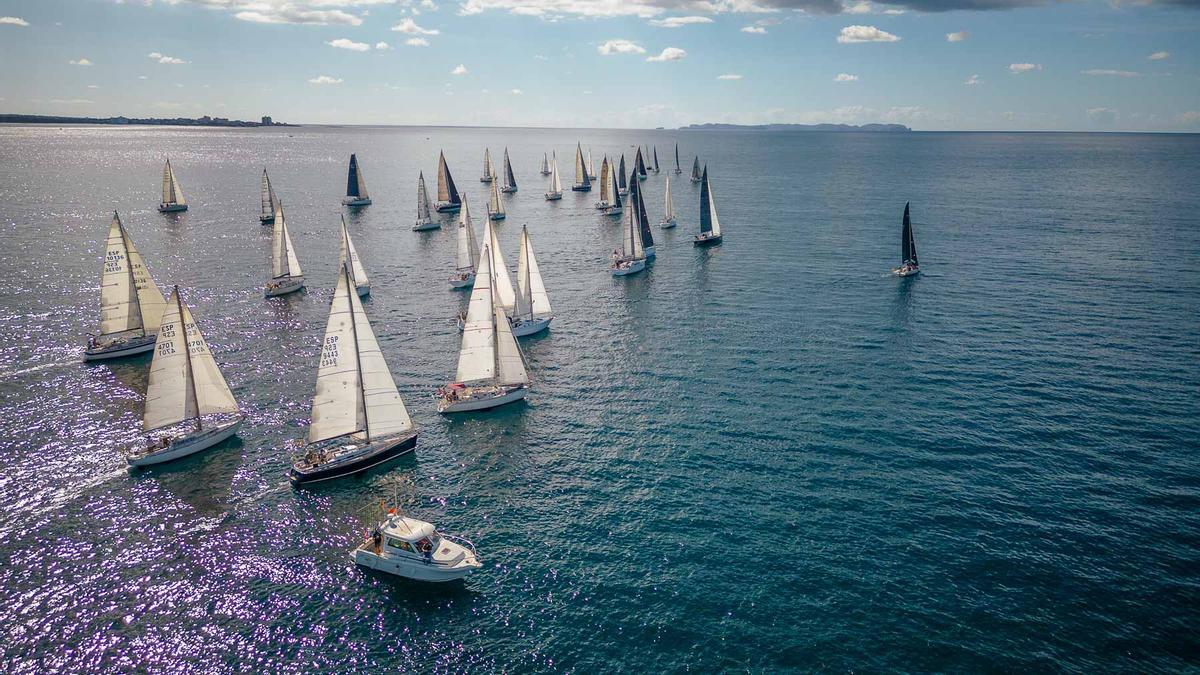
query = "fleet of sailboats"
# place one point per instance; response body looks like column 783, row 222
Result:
column 362, row 285
column 710, row 226
column 510, row 181
column 131, row 306
column 448, row 200
column 583, row 180
column 356, row 185
column 189, row 406
column 555, row 191
column 172, row 195
column 425, row 219
column 668, row 219
column 467, row 255
column 286, row 276
column 269, row 201
column 908, row 249
column 489, row 172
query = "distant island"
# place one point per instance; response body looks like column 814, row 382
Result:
column 888, row 128
column 205, row 121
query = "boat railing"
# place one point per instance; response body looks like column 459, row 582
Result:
column 462, row 541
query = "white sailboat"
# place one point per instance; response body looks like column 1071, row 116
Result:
column 362, row 285
column 710, row 227
column 668, row 219
column 425, row 220
column 495, row 206
column 286, row 276
column 545, row 165
column 510, row 181
column 583, row 180
column 467, row 256
column 356, row 185
column 172, row 195
column 269, row 201
column 448, row 200
column 631, row 258
column 489, row 173
column 532, row 313
column 491, row 368
column 358, row 418
column 605, row 195
column 188, row 403
column 591, row 166
column 131, row 306
column 555, row 191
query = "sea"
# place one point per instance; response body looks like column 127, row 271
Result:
column 768, row 455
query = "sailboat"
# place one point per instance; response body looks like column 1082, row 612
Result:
column 631, row 258
column 425, row 220
column 656, row 169
column 696, row 169
column 908, row 249
column 495, row 206
column 510, row 181
column 639, row 165
column 489, row 172
column 358, row 417
column 362, row 285
column 622, row 186
column 172, row 194
column 467, row 255
column 286, row 276
column 555, row 191
column 491, row 368
column 677, row 169
column 186, row 386
column 710, row 227
column 356, row 185
column 591, row 167
column 614, row 208
column 668, row 219
column 131, row 305
column 605, row 197
column 638, row 205
column 545, row 165
column 448, row 200
column 532, row 313
column 269, row 201
column 583, row 182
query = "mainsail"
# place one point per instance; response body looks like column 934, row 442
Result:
column 708, row 208
column 529, row 281
column 696, row 169
column 639, row 164
column 171, row 192
column 605, row 197
column 656, row 159
column 510, row 181
column 501, row 281
column 422, row 198
column 581, row 174
column 637, row 204
column 489, row 173
column 908, row 245
column 669, row 206
column 677, row 169
column 477, row 355
column 355, row 391
column 356, row 186
column 555, row 180
column 495, row 205
column 621, row 185
column 545, row 164
column 447, row 193
column 129, row 298
column 468, row 249
column 185, row 382
column 283, row 255
column 591, row 166
column 631, row 236
column 357, row 273
column 269, row 200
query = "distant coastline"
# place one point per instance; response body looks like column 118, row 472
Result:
column 204, row 121
column 874, row 128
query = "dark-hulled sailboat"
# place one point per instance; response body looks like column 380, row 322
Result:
column 908, row 249
column 448, row 200
column 510, row 181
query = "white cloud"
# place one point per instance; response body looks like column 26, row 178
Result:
column 460, row 69
column 1159, row 56
column 730, row 76
column 1102, row 115
column 754, row 30
column 516, row 92
column 166, row 60
column 1189, row 117
column 1111, row 73
column 70, row 101
column 670, row 54
column 382, row 45
column 79, row 62
column 410, row 27
column 143, row 77
column 288, row 12
column 853, row 34
column 429, row 5
column 845, row 77
column 346, row 43
column 959, row 36
column 1018, row 68
column 644, row 9
column 13, row 21
column 325, row 79
column 678, row 21
column 973, row 80
column 611, row 47
column 861, row 7
column 93, row 86
column 417, row 42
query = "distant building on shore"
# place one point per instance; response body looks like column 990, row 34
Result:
column 267, row 121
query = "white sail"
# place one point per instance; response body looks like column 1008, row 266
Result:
column 712, row 206
column 495, row 205
column 362, row 182
column 580, row 170
column 591, row 166
column 337, row 408
column 422, row 198
column 468, row 249
column 555, row 181
column 382, row 406
column 488, row 172
column 529, row 280
column 269, row 200
column 283, row 255
column 185, row 381
column 631, row 238
column 358, row 272
column 669, row 208
column 129, row 298
column 171, row 192
column 503, row 288
column 150, row 298
column 510, row 365
column 443, row 194
column 605, row 196
column 545, row 163
column 477, row 356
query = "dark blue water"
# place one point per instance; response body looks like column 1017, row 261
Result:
column 761, row 456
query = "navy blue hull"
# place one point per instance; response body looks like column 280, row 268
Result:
column 382, row 454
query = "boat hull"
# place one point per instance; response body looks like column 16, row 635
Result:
column 376, row 454
column 128, row 348
column 906, row 272
column 707, row 239
column 446, row 406
column 497, row 216
column 532, row 326
column 410, row 568
column 633, row 267
column 422, row 226
column 187, row 445
column 667, row 223
column 508, row 190
column 650, row 253
column 289, row 285
column 355, row 201
column 363, row 291
column 447, row 208
column 553, row 196
column 581, row 188
column 464, row 282
column 173, row 208
column 614, row 211
column 267, row 220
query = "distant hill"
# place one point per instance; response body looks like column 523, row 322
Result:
column 205, row 121
column 887, row 128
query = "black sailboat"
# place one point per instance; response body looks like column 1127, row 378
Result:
column 908, row 249
column 710, row 226
column 677, row 169
column 639, row 165
column 356, row 187
column 622, row 186
column 696, row 169
column 448, row 199
column 639, row 213
column 656, row 169
column 510, row 181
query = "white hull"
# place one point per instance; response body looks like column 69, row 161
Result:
column 411, row 568
column 462, row 282
column 467, row 405
column 614, row 211
column 129, row 348
column 508, row 190
column 600, row 206
column 423, row 225
column 172, row 208
column 531, row 326
column 553, row 196
column 702, row 239
column 355, row 201
column 633, row 267
column 667, row 223
column 363, row 291
column 906, row 272
column 283, row 287
column 187, row 445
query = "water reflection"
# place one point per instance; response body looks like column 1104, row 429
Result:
column 203, row 481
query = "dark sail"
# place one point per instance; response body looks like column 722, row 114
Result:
column 621, row 185
column 908, row 245
column 639, row 212
column 639, row 165
column 454, row 198
column 705, row 212
column 656, row 159
column 512, row 180
column 352, row 177
column 696, row 168
column 677, row 169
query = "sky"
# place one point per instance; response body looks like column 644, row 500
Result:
column 1080, row 65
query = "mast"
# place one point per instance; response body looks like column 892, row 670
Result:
column 487, row 163
column 133, row 285
column 677, row 169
